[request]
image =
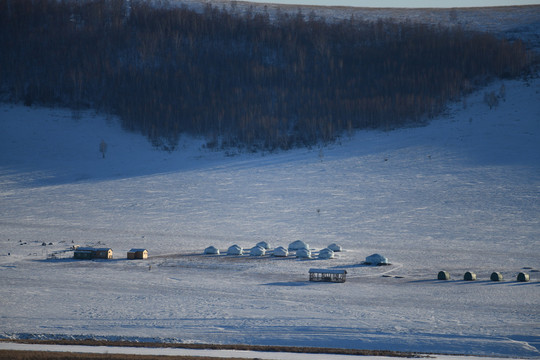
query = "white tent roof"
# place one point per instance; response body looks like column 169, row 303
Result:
column 281, row 251
column 257, row 251
column 211, row 250
column 326, row 254
column 298, row 244
column 264, row 245
column 376, row 259
column 235, row 250
column 335, row 247
column 303, row 253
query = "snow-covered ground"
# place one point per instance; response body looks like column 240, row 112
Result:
column 237, row 354
column 460, row 194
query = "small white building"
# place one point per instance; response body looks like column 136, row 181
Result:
column 264, row 245
column 297, row 245
column 326, row 253
column 235, row 250
column 335, row 247
column 257, row 251
column 211, row 250
column 280, row 251
column 376, row 259
column 303, row 253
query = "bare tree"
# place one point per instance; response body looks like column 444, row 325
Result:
column 103, row 148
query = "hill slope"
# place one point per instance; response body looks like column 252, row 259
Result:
column 460, row 194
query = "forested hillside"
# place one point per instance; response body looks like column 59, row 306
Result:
column 240, row 78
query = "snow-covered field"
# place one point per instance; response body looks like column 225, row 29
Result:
column 460, row 194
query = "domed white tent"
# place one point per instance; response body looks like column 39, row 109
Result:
column 257, row 251
column 376, row 259
column 297, row 245
column 326, row 253
column 264, row 245
column 280, row 251
column 211, row 250
column 235, row 250
column 303, row 253
column 335, row 247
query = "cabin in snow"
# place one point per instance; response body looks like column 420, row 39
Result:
column 137, row 254
column 104, row 253
column 89, row 253
column 83, row 253
column 328, row 275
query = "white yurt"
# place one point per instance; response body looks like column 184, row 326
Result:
column 297, row 245
column 376, row 259
column 211, row 250
column 280, row 251
column 326, row 253
column 303, row 253
column 235, row 250
column 257, row 251
column 335, row 247
column 264, row 245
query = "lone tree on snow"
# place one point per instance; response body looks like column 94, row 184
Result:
column 103, row 148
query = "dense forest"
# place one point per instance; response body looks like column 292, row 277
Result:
column 240, row 78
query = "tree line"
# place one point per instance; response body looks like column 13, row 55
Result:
column 240, row 78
